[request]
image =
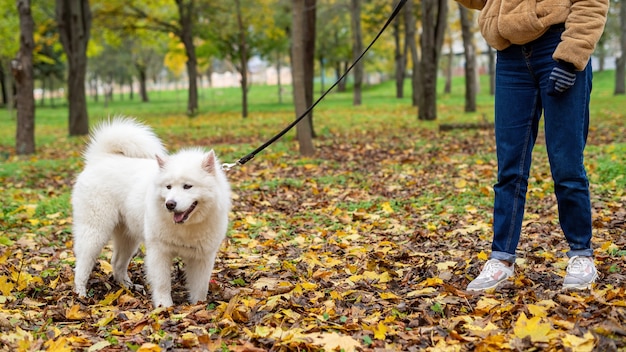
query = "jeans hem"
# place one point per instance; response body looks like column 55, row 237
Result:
column 580, row 253
column 507, row 257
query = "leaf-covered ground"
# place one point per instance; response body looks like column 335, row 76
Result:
column 368, row 247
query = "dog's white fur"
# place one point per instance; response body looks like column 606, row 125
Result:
column 132, row 191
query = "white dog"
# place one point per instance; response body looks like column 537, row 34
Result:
column 131, row 191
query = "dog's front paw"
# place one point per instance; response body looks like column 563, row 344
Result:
column 81, row 291
column 123, row 280
column 162, row 302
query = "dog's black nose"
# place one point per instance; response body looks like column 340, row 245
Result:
column 170, row 205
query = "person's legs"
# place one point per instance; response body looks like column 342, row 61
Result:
column 566, row 127
column 517, row 113
column 517, row 110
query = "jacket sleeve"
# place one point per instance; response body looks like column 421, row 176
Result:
column 583, row 28
column 473, row 4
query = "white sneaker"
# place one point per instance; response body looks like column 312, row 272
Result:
column 581, row 273
column 493, row 273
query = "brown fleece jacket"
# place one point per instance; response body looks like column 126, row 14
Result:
column 506, row 22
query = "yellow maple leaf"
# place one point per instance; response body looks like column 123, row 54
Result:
column 289, row 266
column 309, row 286
column 108, row 299
column 431, row 281
column 485, row 304
column 262, row 331
column 6, row 286
column 476, row 329
column 372, row 275
column 106, row 267
column 380, row 331
column 189, row 339
column 23, row 279
column 482, row 255
column 74, row 313
column 537, row 310
column 388, row 295
column 387, row 208
column 423, row 292
column 460, row 183
column 53, row 283
column 106, row 319
column 58, row 345
column 533, row 327
column 580, row 344
column 5, row 256
column 333, row 341
column 443, row 266
column 332, row 262
column 493, row 342
column 149, row 347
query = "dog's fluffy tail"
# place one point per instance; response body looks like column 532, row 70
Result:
column 123, row 136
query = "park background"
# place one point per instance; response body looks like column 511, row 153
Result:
column 365, row 241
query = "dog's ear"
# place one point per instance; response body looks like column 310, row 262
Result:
column 209, row 163
column 160, row 161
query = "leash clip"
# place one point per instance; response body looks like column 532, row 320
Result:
column 228, row 166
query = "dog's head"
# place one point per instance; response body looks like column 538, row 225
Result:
column 189, row 183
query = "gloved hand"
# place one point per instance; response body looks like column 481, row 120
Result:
column 562, row 78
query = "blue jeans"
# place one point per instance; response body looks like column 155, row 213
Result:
column 522, row 73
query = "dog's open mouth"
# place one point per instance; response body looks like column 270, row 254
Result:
column 181, row 217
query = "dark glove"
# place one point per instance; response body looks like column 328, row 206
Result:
column 562, row 78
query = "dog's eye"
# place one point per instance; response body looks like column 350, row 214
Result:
column 168, row 186
column 187, row 186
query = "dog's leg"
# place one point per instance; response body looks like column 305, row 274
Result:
column 159, row 275
column 88, row 243
column 124, row 248
column 197, row 275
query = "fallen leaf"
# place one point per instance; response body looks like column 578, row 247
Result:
column 533, row 327
column 333, row 341
column 580, row 344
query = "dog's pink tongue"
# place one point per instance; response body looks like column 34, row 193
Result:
column 179, row 217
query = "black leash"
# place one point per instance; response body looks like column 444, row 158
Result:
column 250, row 156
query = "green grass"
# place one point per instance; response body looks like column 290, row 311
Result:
column 220, row 124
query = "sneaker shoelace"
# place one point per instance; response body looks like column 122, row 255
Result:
column 577, row 265
column 492, row 267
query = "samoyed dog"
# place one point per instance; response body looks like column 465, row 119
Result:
column 131, row 192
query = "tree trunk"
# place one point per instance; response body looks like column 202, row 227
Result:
column 143, row 77
column 299, row 90
column 23, row 73
column 50, row 95
column 357, row 49
column 74, row 22
column 310, row 16
column 121, row 85
column 448, row 85
column 3, row 87
column 186, row 16
column 434, row 21
column 400, row 59
column 410, row 28
column 620, row 67
column 243, row 57
column 278, row 78
column 42, row 98
column 322, row 75
column 471, row 76
column 341, row 86
column 94, row 89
